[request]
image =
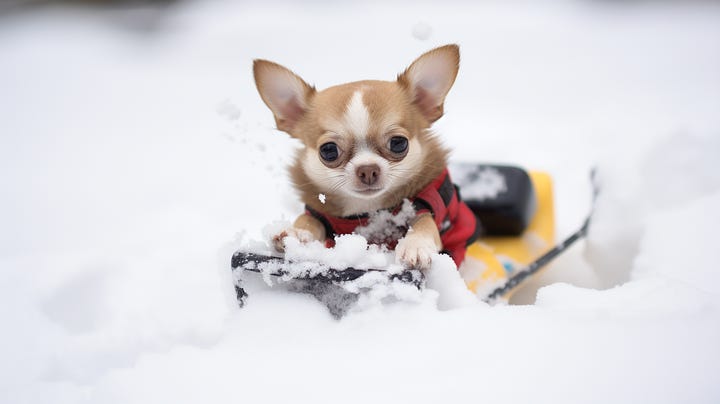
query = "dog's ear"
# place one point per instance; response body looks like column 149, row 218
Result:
column 430, row 77
column 284, row 92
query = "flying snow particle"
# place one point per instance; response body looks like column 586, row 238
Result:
column 229, row 110
column 422, row 31
column 321, row 197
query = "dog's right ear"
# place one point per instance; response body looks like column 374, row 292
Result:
column 430, row 77
column 286, row 94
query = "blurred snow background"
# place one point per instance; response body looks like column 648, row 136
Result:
column 135, row 154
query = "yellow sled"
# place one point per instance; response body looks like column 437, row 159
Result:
column 517, row 237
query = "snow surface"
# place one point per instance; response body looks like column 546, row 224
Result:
column 134, row 161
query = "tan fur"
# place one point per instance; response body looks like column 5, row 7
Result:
column 381, row 98
column 432, row 111
column 434, row 154
column 425, row 224
column 405, row 107
column 264, row 71
column 421, row 240
column 312, row 225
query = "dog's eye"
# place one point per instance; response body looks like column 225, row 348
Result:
column 398, row 144
column 329, row 151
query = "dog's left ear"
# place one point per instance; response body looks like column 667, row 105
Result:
column 284, row 92
column 430, row 77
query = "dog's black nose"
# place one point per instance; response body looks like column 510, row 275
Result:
column 368, row 174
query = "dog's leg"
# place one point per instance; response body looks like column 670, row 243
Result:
column 421, row 241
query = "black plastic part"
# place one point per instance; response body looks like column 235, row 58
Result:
column 324, row 286
column 250, row 261
column 510, row 211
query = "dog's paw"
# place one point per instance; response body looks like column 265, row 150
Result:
column 301, row 235
column 415, row 251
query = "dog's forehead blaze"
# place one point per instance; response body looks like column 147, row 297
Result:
column 364, row 109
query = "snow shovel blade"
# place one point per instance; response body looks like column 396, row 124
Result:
column 324, row 286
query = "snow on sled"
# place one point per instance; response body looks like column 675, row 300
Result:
column 515, row 209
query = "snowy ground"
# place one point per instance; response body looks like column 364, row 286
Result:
column 133, row 162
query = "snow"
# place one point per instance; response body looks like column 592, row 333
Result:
column 349, row 251
column 422, row 31
column 134, row 162
column 386, row 226
column 479, row 183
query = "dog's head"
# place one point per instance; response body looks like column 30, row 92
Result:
column 366, row 143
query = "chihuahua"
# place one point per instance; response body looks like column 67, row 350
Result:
column 368, row 148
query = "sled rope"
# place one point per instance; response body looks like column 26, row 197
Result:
column 538, row 263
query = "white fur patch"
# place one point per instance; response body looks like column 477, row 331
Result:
column 415, row 250
column 355, row 203
column 319, row 173
column 357, row 117
column 364, row 156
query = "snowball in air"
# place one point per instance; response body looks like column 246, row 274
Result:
column 421, row 31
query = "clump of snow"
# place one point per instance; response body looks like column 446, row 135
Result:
column 443, row 277
column 349, row 251
column 422, row 31
column 385, row 226
column 376, row 290
column 478, row 182
column 443, row 281
column 229, row 110
column 321, row 198
column 303, row 259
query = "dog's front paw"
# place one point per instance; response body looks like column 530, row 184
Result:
column 301, row 235
column 415, row 251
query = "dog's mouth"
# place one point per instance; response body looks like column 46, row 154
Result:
column 369, row 191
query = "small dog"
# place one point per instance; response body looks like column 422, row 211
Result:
column 368, row 148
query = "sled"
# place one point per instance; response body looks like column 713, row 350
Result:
column 516, row 211
column 518, row 222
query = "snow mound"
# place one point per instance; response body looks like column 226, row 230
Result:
column 657, row 206
column 125, row 177
column 378, row 286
